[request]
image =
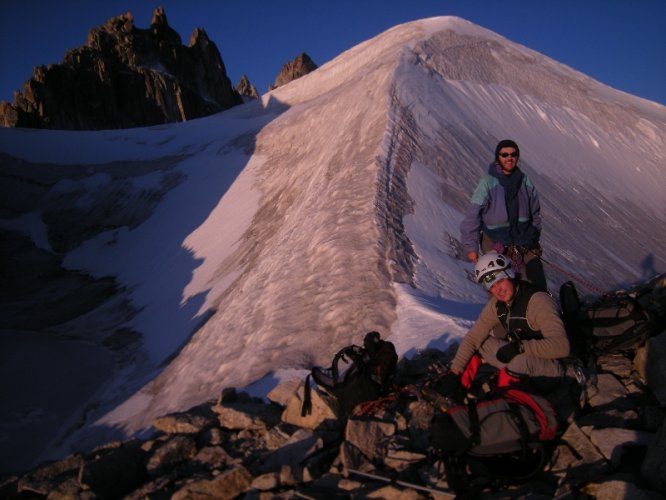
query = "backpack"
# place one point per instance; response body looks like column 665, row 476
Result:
column 357, row 374
column 614, row 322
column 500, row 433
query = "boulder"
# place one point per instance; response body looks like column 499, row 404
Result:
column 320, row 412
column 619, row 490
column 576, row 461
column 246, row 415
column 175, row 450
column 116, row 471
column 227, row 485
column 44, row 478
column 369, row 435
column 213, row 457
column 185, row 422
column 608, row 392
column 294, row 451
column 613, row 442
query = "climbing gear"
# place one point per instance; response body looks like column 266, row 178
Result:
column 501, row 432
column 587, row 284
column 365, row 377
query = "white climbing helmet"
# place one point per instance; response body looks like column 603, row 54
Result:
column 491, row 268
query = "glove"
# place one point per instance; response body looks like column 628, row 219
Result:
column 509, row 351
column 449, row 384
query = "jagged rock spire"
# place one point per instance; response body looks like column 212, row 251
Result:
column 125, row 77
column 246, row 89
column 159, row 17
column 298, row 67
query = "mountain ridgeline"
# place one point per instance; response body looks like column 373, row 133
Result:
column 126, row 77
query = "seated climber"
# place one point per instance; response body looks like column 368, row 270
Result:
column 519, row 330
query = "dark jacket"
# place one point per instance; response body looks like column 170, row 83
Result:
column 487, row 212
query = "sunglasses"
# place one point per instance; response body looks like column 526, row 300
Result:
column 506, row 155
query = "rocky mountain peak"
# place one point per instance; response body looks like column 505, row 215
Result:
column 198, row 37
column 159, row 18
column 298, row 67
column 246, row 89
column 123, row 23
column 159, row 27
column 125, row 77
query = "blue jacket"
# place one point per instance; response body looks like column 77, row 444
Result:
column 487, row 213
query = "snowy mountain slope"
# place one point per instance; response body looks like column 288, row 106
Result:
column 285, row 229
column 596, row 155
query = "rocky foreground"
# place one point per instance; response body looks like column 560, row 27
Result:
column 242, row 447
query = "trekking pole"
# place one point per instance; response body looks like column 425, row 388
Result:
column 413, row 486
column 301, row 495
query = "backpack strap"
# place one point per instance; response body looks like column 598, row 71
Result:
column 468, row 374
column 548, row 427
column 334, row 365
column 528, row 445
column 522, row 425
column 634, row 308
column 306, row 407
column 506, row 379
column 474, row 424
column 352, row 353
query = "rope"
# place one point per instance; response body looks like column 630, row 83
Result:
column 587, row 284
column 367, row 408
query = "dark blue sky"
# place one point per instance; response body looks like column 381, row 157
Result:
column 618, row 42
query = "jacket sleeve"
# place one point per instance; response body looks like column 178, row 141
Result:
column 470, row 227
column 535, row 206
column 542, row 315
column 484, row 325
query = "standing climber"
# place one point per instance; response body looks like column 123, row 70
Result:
column 504, row 215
